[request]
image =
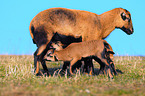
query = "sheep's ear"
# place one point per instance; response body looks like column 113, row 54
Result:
column 111, row 52
column 123, row 16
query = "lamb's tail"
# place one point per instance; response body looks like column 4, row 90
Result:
column 108, row 48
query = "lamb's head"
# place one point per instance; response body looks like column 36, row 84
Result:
column 50, row 56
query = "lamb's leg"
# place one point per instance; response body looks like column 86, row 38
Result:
column 71, row 64
column 66, row 65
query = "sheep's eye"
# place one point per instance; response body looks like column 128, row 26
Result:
column 123, row 16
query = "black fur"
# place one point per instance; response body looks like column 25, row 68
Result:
column 106, row 45
column 40, row 36
column 32, row 30
column 128, row 31
column 55, row 58
column 66, row 40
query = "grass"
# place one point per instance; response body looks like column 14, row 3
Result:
column 17, row 79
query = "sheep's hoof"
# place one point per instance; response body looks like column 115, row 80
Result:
column 71, row 74
column 47, row 74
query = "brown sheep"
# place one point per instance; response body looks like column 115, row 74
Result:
column 95, row 49
column 74, row 26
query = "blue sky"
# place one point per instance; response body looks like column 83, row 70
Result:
column 16, row 16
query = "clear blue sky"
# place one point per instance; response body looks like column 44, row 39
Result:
column 16, row 16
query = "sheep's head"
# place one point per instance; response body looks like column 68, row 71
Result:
column 125, row 22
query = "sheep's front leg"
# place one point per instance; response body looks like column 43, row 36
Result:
column 105, row 66
column 71, row 64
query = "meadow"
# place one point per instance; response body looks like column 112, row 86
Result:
column 17, row 79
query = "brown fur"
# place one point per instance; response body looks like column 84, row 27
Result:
column 76, row 51
column 75, row 23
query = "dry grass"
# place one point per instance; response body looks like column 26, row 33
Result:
column 17, row 78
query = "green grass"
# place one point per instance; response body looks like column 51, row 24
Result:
column 17, row 79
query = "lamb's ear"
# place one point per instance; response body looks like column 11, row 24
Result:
column 110, row 52
column 59, row 43
column 49, row 54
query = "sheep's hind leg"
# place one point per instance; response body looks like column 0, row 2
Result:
column 106, row 68
column 113, row 68
column 88, row 66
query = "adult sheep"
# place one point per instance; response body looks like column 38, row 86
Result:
column 75, row 25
